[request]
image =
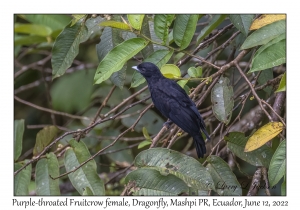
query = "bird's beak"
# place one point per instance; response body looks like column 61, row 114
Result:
column 136, row 68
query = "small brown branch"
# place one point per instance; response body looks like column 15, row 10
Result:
column 45, row 125
column 119, row 173
column 103, row 103
column 265, row 178
column 207, row 92
column 175, row 137
column 203, row 45
column 32, row 65
column 253, row 91
column 156, row 139
column 139, row 138
column 255, row 183
column 128, row 187
column 103, row 149
column 278, row 104
column 80, row 132
column 221, row 71
column 141, row 114
column 118, row 150
column 28, row 86
column 223, row 46
column 126, row 100
column 50, row 110
column 45, row 149
column 274, row 113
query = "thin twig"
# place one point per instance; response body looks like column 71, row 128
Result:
column 271, row 108
column 253, row 91
column 255, row 183
column 103, row 149
column 50, row 110
column 103, row 103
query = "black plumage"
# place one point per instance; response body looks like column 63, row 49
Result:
column 173, row 102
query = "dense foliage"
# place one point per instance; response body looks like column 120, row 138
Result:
column 85, row 124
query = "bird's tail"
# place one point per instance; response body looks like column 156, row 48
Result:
column 200, row 145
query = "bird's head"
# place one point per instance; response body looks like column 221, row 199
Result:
column 147, row 69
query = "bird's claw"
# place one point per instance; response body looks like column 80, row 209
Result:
column 168, row 124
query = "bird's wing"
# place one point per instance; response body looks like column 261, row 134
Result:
column 174, row 103
column 178, row 107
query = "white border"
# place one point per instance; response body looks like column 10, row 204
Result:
column 153, row 6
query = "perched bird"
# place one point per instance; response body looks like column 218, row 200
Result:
column 173, row 102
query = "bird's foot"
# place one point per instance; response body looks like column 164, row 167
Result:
column 168, row 124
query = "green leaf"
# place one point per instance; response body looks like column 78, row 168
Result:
column 145, row 30
column 224, row 179
column 195, row 72
column 43, row 138
column 283, row 187
column 136, row 21
column 236, row 143
column 242, row 22
column 265, row 34
column 76, row 18
column 154, row 38
column 110, row 38
column 66, row 47
column 87, row 192
column 182, row 82
column 170, row 71
column 273, row 41
column 184, row 29
column 282, row 84
column 159, row 58
column 168, row 161
column 22, row 179
column 150, row 182
column 273, row 55
column 118, row 78
column 33, row 29
column 222, row 100
column 29, row 40
column 68, row 96
column 45, row 169
column 86, row 176
column 92, row 25
column 115, row 24
column 55, row 22
column 117, row 57
column 162, row 22
column 146, row 134
column 213, row 24
column 264, row 77
column 195, row 192
column 18, row 138
column 144, row 144
column 277, row 167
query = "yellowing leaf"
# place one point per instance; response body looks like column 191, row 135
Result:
column 115, row 24
column 263, row 135
column 170, row 71
column 282, row 84
column 265, row 20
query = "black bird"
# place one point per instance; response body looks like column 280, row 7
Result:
column 173, row 102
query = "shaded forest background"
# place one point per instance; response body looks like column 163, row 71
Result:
column 81, row 109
